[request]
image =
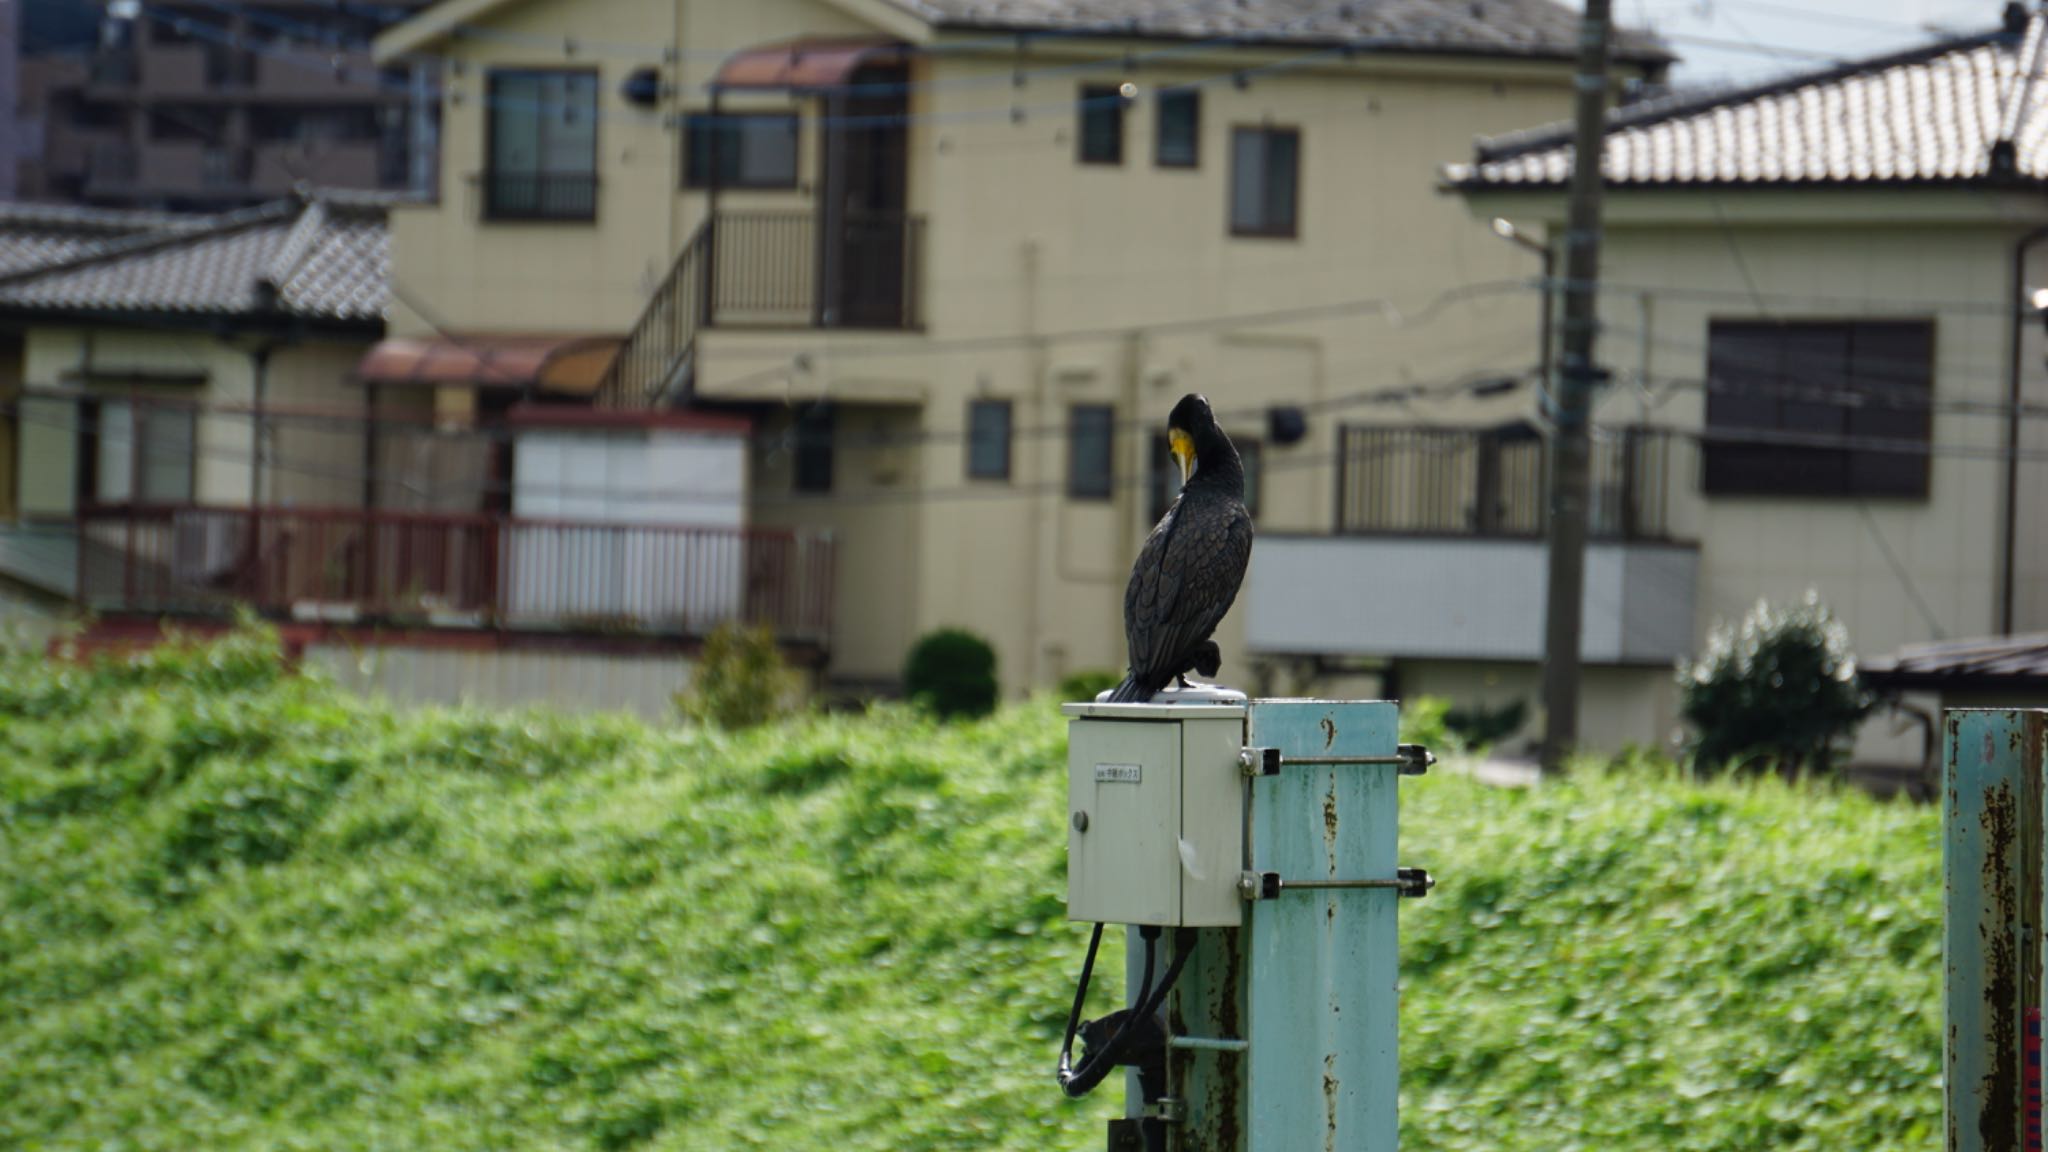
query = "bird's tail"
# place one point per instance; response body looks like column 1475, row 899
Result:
column 1129, row 692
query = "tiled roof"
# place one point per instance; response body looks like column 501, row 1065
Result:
column 1927, row 116
column 41, row 235
column 1542, row 28
column 316, row 257
column 1483, row 27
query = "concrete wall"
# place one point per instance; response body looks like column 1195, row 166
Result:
column 567, row 681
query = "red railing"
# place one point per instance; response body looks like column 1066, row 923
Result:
column 455, row 570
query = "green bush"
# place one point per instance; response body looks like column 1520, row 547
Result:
column 1082, row 687
column 740, row 680
column 952, row 672
column 1478, row 726
column 1422, row 722
column 1778, row 691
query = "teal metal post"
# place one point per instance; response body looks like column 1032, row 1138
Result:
column 1308, row 983
column 1991, row 868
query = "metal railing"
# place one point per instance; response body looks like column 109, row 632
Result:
column 663, row 339
column 348, row 565
column 1492, row 482
column 767, row 270
column 538, row 195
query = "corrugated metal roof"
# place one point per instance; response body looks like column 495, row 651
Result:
column 1994, row 662
column 1928, row 116
column 316, row 257
column 1489, row 27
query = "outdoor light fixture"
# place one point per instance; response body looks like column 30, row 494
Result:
column 1506, row 230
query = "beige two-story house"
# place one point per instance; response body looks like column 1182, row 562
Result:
column 958, row 259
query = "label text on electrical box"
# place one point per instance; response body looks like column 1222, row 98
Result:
column 1118, row 773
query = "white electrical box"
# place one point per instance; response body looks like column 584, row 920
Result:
column 1155, row 814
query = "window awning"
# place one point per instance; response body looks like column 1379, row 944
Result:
column 569, row 365
column 801, row 65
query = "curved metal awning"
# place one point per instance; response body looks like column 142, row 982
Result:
column 801, row 65
column 568, row 365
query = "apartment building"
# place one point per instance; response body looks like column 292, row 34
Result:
column 957, row 260
column 192, row 104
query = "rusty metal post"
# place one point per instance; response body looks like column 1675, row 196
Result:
column 1992, row 913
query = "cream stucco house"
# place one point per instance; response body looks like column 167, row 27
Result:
column 1820, row 294
column 957, row 259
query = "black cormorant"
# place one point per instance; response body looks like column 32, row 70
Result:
column 1192, row 563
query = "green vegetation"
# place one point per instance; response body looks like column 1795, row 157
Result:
column 1778, row 691
column 739, row 681
column 952, row 672
column 1084, row 686
column 241, row 910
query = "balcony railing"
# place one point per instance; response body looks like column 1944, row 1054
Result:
column 538, row 195
column 1491, row 482
column 767, row 270
column 353, row 565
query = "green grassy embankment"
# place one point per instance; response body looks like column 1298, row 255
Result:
column 241, row 910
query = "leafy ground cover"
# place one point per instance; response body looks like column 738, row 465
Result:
column 240, row 909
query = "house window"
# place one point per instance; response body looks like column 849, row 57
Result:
column 1102, row 124
column 813, row 439
column 1166, row 475
column 138, row 454
column 1177, row 142
column 1091, row 452
column 1265, row 181
column 542, row 159
column 988, row 440
column 740, row 150
column 1785, row 401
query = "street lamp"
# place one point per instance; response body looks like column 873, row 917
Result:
column 1506, row 230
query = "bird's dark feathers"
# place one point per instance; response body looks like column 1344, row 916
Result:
column 1189, row 571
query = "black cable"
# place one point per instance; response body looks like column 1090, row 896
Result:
column 1080, row 996
column 1080, row 1082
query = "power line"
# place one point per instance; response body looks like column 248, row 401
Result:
column 194, row 453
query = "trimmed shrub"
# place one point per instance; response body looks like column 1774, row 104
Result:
column 740, row 680
column 952, row 672
column 1479, row 726
column 1082, row 687
column 1778, row 691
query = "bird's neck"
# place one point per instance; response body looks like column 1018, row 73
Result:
column 1218, row 466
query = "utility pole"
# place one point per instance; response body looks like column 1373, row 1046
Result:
column 1571, row 394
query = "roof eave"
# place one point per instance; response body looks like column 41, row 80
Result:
column 1649, row 58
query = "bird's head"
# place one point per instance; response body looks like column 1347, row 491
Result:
column 1188, row 431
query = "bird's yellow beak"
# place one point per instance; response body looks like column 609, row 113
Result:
column 1183, row 448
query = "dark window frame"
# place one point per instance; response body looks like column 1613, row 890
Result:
column 811, row 453
column 90, row 429
column 695, row 179
column 1264, row 231
column 495, row 212
column 1194, row 160
column 1085, row 485
column 1762, row 381
column 1009, row 437
column 1100, row 99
